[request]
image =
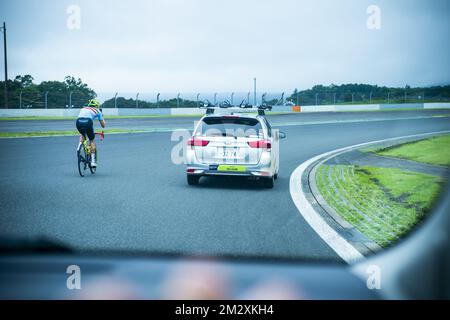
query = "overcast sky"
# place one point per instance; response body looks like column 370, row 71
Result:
column 190, row 46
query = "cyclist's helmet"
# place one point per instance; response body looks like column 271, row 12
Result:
column 94, row 103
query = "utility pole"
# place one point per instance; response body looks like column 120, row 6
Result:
column 198, row 96
column 20, row 99
column 115, row 100
column 46, row 99
column 137, row 100
column 70, row 99
column 157, row 100
column 6, row 64
column 254, row 90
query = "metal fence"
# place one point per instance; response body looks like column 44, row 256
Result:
column 52, row 99
column 388, row 97
column 26, row 99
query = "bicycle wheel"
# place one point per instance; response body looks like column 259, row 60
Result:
column 93, row 169
column 83, row 160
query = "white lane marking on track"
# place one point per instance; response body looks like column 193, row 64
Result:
column 340, row 245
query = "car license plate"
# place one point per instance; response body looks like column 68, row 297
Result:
column 232, row 168
column 228, row 153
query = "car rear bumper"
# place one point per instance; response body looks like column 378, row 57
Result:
column 250, row 171
column 264, row 167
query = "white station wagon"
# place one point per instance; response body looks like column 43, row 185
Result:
column 232, row 143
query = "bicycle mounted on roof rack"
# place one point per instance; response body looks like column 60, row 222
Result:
column 241, row 108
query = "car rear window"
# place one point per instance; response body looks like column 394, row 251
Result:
column 230, row 126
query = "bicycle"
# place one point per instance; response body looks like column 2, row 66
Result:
column 84, row 155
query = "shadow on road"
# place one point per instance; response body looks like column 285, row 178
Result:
column 223, row 182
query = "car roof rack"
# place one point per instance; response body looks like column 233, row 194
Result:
column 242, row 108
column 262, row 109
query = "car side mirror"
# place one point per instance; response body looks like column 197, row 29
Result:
column 282, row 134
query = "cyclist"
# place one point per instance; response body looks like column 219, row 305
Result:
column 85, row 125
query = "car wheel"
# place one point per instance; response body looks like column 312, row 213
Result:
column 193, row 180
column 275, row 176
column 268, row 182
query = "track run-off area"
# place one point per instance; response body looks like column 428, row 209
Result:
column 139, row 200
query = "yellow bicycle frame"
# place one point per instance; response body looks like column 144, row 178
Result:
column 86, row 146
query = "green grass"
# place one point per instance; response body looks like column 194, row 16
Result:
column 106, row 117
column 35, row 118
column 391, row 101
column 382, row 203
column 57, row 133
column 398, row 109
column 435, row 150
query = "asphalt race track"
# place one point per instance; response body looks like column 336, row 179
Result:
column 139, row 200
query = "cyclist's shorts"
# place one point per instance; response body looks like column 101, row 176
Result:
column 85, row 127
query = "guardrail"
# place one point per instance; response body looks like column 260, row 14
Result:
column 10, row 113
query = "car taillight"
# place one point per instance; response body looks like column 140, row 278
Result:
column 197, row 142
column 261, row 144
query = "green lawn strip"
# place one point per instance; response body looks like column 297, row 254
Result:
column 57, row 133
column 397, row 197
column 367, row 191
column 43, row 118
column 367, row 205
column 333, row 198
column 400, row 215
column 346, row 212
column 345, row 189
column 374, row 205
column 155, row 116
column 380, row 207
column 35, row 118
column 399, row 109
column 392, row 101
column 364, row 198
column 434, row 150
column 373, row 231
column 374, row 223
column 370, row 149
column 411, row 189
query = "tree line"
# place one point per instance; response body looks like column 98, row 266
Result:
column 122, row 102
column 365, row 93
column 24, row 93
